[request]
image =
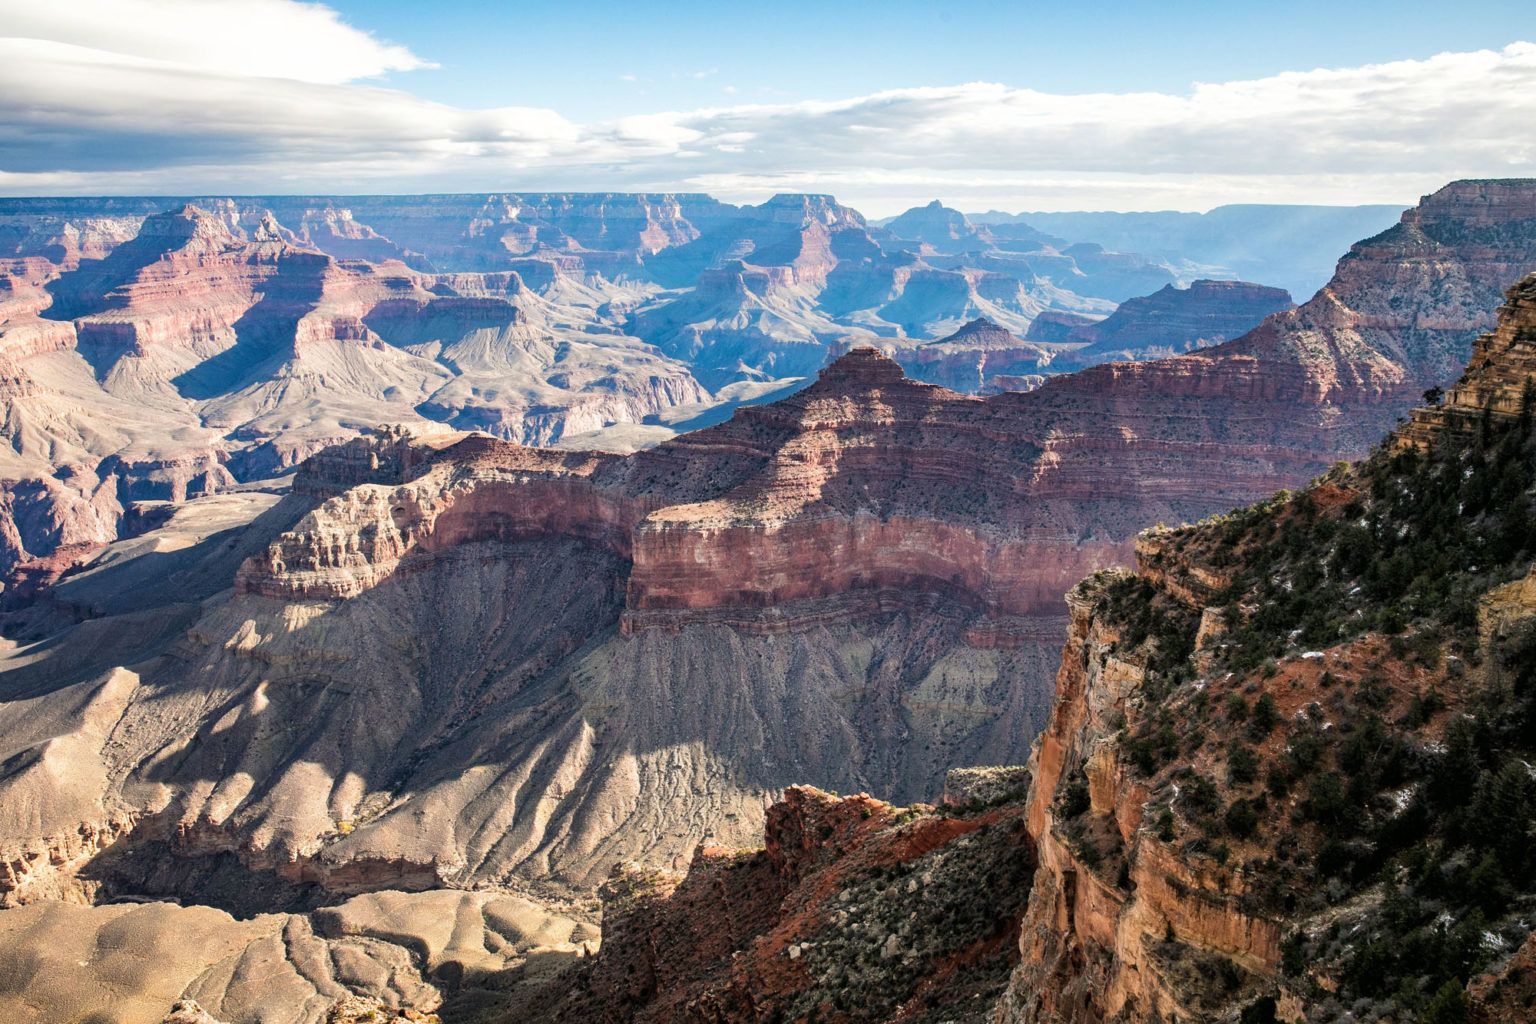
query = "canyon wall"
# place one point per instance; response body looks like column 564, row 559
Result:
column 1199, row 857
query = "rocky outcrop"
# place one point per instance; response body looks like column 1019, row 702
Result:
column 1241, row 766
column 1174, row 320
column 1499, row 383
column 1115, row 917
column 853, row 909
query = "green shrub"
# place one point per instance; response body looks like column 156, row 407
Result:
column 1075, row 800
column 1266, row 715
column 1241, row 819
column 1201, row 796
column 1326, row 803
column 1449, row 1006
column 1242, row 764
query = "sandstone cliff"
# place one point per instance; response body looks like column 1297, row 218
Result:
column 1259, row 793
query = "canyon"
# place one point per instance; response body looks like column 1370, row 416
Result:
column 1258, row 796
column 156, row 349
column 444, row 663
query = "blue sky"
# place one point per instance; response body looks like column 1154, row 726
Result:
column 983, row 105
column 571, row 56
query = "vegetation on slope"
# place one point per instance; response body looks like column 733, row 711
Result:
column 1347, row 739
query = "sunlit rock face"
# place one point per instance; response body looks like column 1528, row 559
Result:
column 153, row 349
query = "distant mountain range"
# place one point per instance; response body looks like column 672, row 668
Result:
column 1292, row 247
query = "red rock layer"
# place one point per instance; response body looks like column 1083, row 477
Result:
column 868, row 488
column 863, row 490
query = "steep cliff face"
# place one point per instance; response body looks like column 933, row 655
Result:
column 594, row 657
column 870, row 477
column 1287, row 760
column 1498, row 379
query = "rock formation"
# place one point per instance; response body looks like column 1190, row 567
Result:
column 853, row 910
column 193, row 354
column 1251, row 794
column 150, row 355
column 980, row 358
column 1326, row 380
column 1171, row 321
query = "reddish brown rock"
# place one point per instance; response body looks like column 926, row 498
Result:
column 853, row 911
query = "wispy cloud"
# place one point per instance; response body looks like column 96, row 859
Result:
column 131, row 98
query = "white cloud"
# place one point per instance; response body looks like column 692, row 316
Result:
column 277, row 38
column 135, row 104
